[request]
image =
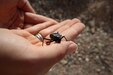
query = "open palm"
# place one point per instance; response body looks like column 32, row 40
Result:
column 25, row 54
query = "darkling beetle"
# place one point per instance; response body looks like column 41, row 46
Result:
column 54, row 37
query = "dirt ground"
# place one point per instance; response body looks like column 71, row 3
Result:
column 95, row 54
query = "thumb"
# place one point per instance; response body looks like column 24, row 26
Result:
column 56, row 52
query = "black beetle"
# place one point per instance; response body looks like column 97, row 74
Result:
column 55, row 37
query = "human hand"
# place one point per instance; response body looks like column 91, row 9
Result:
column 19, row 14
column 19, row 56
column 22, row 54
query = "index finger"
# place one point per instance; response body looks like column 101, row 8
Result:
column 72, row 32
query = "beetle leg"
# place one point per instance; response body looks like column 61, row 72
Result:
column 47, row 39
column 48, row 42
column 64, row 38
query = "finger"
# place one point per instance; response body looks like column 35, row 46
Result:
column 27, row 26
column 51, row 29
column 36, row 28
column 31, row 38
column 31, row 18
column 73, row 31
column 68, row 25
column 54, row 52
column 22, row 33
column 25, row 6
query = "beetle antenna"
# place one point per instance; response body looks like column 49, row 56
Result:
column 42, row 42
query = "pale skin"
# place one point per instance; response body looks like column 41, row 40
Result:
column 21, row 53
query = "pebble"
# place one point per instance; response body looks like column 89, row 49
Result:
column 64, row 62
column 87, row 59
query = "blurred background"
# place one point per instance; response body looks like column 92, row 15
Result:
column 95, row 54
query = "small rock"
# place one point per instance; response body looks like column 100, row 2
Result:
column 98, row 70
column 64, row 62
column 87, row 59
